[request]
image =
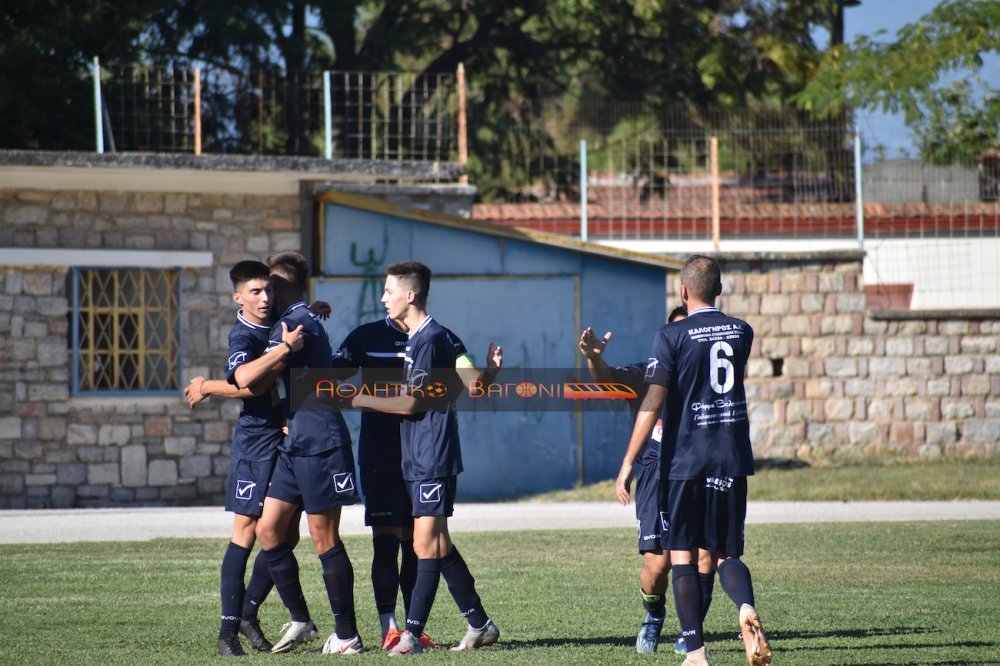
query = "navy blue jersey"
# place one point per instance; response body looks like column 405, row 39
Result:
column 313, row 428
column 377, row 345
column 633, row 376
column 701, row 361
column 258, row 430
column 431, row 447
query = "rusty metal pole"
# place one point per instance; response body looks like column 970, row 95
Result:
column 713, row 157
column 197, row 110
column 463, row 138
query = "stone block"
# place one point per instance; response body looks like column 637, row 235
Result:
column 859, row 388
column 978, row 344
column 774, row 304
column 904, row 386
column 37, row 283
column 819, row 388
column 850, row 302
column 862, row 434
column 71, row 474
column 820, row 434
column 976, row 385
column 919, row 366
column 982, row 431
column 939, row 387
column 179, row 446
column 837, row 325
column 193, row 467
column 918, row 409
column 52, row 429
column 51, row 353
column 819, row 347
column 157, row 426
column 11, row 484
column 797, row 368
column 886, row 367
column 114, row 435
column 39, row 480
column 830, row 282
column 953, row 327
column 897, row 346
column 841, row 367
column 10, row 427
column 958, row 365
column 880, row 410
column 80, row 434
column 796, row 325
column 100, row 473
column 217, row 431
column 133, row 465
column 162, row 473
column 941, row 433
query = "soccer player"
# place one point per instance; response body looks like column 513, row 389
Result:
column 652, row 539
column 435, row 363
column 253, row 453
column 695, row 376
column 378, row 348
column 315, row 468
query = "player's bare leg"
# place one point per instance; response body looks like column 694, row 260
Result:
column 653, row 587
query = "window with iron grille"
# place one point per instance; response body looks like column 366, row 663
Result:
column 125, row 330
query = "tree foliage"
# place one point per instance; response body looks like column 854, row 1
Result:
column 524, row 58
column 916, row 75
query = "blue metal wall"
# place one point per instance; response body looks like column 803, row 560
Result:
column 531, row 298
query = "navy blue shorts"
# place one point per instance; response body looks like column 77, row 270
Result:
column 246, row 485
column 648, row 518
column 387, row 498
column 318, row 483
column 433, row 497
column 707, row 513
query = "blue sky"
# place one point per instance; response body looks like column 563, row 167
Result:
column 891, row 15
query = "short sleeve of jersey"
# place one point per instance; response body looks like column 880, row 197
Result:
column 631, row 375
column 349, row 355
column 243, row 348
column 457, row 346
column 659, row 366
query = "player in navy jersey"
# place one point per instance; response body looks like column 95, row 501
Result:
column 436, row 370
column 315, row 468
column 695, row 376
column 378, row 348
column 253, row 453
column 652, row 537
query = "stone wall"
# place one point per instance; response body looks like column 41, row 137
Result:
column 827, row 379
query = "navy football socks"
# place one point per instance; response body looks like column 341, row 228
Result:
column 424, row 591
column 338, row 574
column 687, row 599
column 407, row 573
column 285, row 573
column 735, row 580
column 462, row 586
column 707, row 583
column 234, row 567
column 385, row 572
column 259, row 586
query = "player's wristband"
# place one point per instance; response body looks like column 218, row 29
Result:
column 288, row 344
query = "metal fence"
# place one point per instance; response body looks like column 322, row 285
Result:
column 357, row 115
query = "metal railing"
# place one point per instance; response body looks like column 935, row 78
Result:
column 355, row 115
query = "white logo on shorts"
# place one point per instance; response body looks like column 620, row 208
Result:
column 344, row 482
column 430, row 493
column 664, row 521
column 244, row 489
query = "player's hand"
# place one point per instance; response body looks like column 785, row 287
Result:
column 623, row 484
column 294, row 338
column 494, row 357
column 193, row 391
column 590, row 346
column 321, row 309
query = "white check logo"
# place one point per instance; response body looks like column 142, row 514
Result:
column 244, row 489
column 344, row 482
column 430, row 492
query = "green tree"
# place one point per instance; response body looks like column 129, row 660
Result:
column 954, row 119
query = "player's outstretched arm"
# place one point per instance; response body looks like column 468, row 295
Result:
column 403, row 405
column 200, row 388
column 592, row 349
column 471, row 376
column 253, row 372
column 649, row 411
column 321, row 309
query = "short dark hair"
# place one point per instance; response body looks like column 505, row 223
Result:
column 291, row 266
column 703, row 277
column 677, row 313
column 249, row 269
column 417, row 277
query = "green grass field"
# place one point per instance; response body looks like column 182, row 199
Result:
column 878, row 479
column 889, row 593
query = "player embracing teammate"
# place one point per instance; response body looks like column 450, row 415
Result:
column 695, row 375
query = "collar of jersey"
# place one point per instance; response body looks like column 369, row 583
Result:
column 249, row 324
column 704, row 309
column 293, row 306
column 391, row 324
column 423, row 325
